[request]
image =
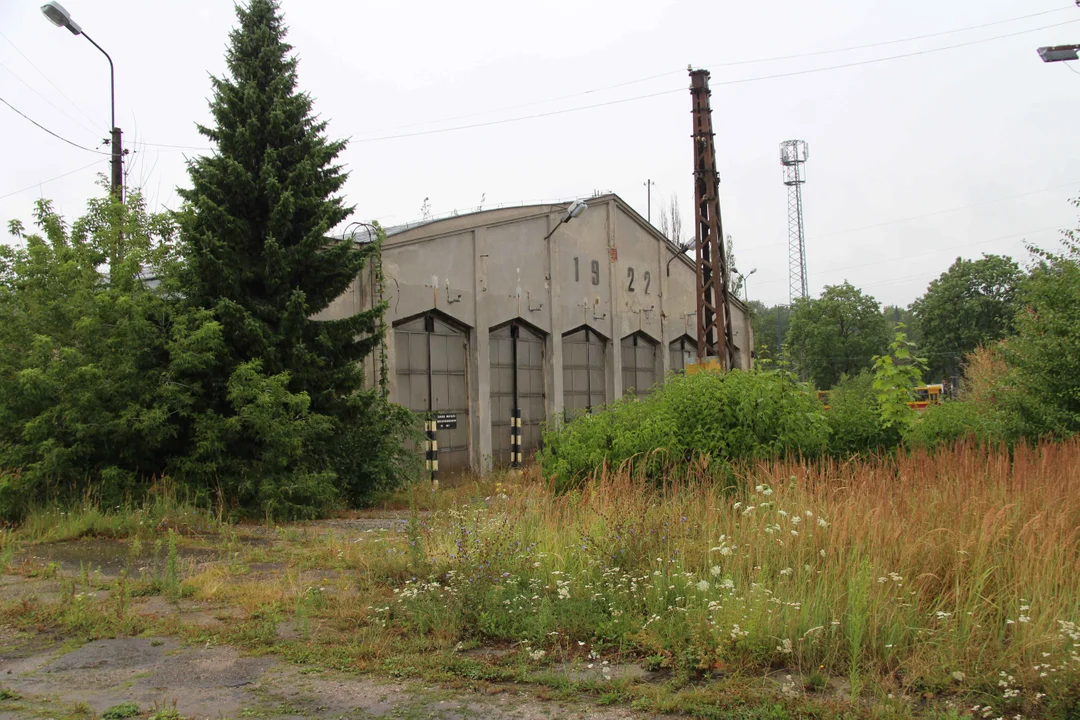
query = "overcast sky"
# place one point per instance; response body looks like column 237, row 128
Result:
column 913, row 161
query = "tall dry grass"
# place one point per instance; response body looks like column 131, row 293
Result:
column 922, row 570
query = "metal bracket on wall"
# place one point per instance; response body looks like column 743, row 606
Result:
column 528, row 302
column 451, row 298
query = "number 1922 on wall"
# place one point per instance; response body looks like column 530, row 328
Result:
column 594, row 271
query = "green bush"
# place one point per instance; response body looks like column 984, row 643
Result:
column 957, row 420
column 735, row 416
column 854, row 418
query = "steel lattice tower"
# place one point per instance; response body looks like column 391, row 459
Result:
column 793, row 156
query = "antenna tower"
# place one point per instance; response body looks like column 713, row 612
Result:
column 793, row 156
column 713, row 324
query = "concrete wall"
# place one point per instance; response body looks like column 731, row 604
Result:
column 608, row 270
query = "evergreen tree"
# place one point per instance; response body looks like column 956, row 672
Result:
column 258, row 264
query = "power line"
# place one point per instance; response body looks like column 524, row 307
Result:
column 892, row 42
column 926, row 215
column 59, row 137
column 635, row 98
column 929, row 252
column 719, row 65
column 741, row 81
column 56, row 107
column 42, row 182
column 47, row 78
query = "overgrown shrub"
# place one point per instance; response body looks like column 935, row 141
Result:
column 956, row 420
column 1045, row 352
column 733, row 417
column 854, row 418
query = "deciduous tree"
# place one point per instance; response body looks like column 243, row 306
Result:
column 973, row 303
column 836, row 334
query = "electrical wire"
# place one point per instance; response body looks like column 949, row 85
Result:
column 42, row 182
column 635, row 98
column 832, row 233
column 741, row 81
column 59, row 137
column 891, row 42
column 47, row 78
column 56, row 107
column 923, row 254
column 719, row 65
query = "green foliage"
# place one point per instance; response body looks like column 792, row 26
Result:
column 84, row 394
column 768, row 337
column 1045, row 352
column 974, row 303
column 126, row 356
column 281, row 400
column 895, row 314
column 122, row 711
column 839, row 333
column 955, row 420
column 855, row 420
column 895, row 375
column 735, row 416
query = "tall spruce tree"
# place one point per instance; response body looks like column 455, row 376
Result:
column 257, row 266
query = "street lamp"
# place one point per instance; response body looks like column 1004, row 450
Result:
column 742, row 278
column 60, row 17
column 574, row 210
column 1059, row 53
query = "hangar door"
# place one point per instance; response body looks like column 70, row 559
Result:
column 432, row 377
column 638, row 364
column 681, row 353
column 517, row 390
column 584, row 364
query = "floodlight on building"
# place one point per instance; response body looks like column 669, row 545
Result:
column 1059, row 53
column 60, row 17
column 576, row 208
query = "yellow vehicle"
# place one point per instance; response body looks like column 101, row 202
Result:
column 922, row 397
column 926, row 396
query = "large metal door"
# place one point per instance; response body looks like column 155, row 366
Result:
column 431, row 360
column 638, row 364
column 584, row 365
column 517, row 353
column 681, row 353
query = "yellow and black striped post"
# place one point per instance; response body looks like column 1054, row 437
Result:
column 516, row 456
column 431, row 445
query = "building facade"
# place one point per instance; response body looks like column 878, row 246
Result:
column 487, row 318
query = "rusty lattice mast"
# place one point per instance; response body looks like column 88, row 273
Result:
column 713, row 318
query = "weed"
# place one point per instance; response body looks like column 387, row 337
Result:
column 121, row 711
column 9, row 694
column 171, row 581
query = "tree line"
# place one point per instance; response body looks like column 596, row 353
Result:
column 1026, row 318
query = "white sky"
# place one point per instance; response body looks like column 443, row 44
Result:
column 897, row 140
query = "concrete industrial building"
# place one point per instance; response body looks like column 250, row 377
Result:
column 482, row 310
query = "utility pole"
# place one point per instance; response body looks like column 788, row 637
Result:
column 648, row 189
column 713, row 317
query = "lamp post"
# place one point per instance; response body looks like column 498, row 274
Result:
column 742, row 281
column 60, row 17
column 576, row 208
column 1059, row 53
